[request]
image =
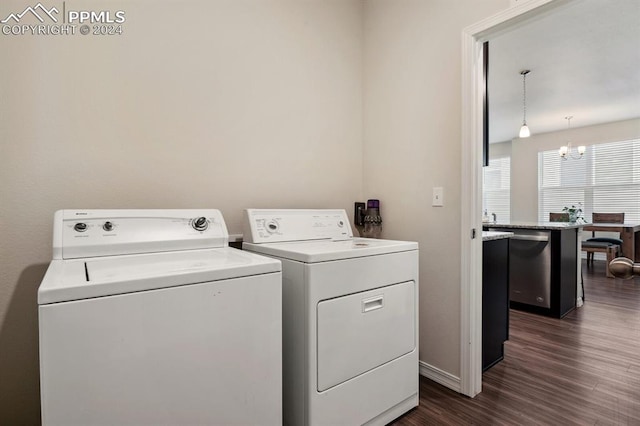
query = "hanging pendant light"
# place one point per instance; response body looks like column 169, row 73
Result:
column 524, row 130
column 566, row 151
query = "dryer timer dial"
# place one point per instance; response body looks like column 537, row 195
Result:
column 200, row 223
column 272, row 226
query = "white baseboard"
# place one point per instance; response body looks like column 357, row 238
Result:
column 440, row 376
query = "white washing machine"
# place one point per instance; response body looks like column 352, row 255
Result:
column 350, row 324
column 147, row 317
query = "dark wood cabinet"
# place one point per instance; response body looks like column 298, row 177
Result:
column 495, row 300
column 564, row 271
column 543, row 267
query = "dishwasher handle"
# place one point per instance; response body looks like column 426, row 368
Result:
column 530, row 237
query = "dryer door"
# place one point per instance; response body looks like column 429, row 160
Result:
column 359, row 332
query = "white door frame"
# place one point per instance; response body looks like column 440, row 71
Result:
column 471, row 215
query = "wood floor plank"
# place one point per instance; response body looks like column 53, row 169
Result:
column 583, row 369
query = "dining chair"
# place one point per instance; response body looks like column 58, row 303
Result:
column 558, row 217
column 610, row 246
column 606, row 218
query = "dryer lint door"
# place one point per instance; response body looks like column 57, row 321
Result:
column 359, row 332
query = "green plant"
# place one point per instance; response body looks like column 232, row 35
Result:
column 575, row 213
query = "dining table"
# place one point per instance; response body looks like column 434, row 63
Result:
column 629, row 234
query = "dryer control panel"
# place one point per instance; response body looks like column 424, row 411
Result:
column 90, row 233
column 273, row 225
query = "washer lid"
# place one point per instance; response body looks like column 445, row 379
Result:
column 327, row 250
column 76, row 279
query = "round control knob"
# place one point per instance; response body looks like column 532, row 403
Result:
column 272, row 226
column 80, row 227
column 200, row 224
column 108, row 226
column 340, row 223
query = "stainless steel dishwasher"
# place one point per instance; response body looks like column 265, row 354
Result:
column 530, row 267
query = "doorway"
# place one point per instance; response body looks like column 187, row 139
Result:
column 472, row 138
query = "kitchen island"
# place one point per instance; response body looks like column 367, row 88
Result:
column 543, row 265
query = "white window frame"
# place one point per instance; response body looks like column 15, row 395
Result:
column 496, row 188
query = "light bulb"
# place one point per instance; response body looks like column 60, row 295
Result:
column 563, row 151
column 524, row 131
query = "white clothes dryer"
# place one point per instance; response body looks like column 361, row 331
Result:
column 147, row 317
column 350, row 324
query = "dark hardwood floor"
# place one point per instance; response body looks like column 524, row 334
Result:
column 583, row 369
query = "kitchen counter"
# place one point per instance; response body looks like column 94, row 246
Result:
column 547, row 226
column 495, row 235
column 543, row 265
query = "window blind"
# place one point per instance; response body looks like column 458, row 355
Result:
column 605, row 180
column 496, row 188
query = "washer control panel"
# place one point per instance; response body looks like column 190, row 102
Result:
column 271, row 225
column 88, row 233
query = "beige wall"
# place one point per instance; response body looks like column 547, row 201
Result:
column 500, row 149
column 412, row 139
column 231, row 104
column 524, row 159
column 199, row 104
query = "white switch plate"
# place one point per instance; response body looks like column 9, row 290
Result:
column 438, row 197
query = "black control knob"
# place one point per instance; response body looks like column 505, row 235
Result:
column 200, row 224
column 108, row 226
column 80, row 227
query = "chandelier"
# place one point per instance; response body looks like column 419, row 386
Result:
column 567, row 151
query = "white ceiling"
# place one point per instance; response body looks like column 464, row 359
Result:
column 584, row 59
